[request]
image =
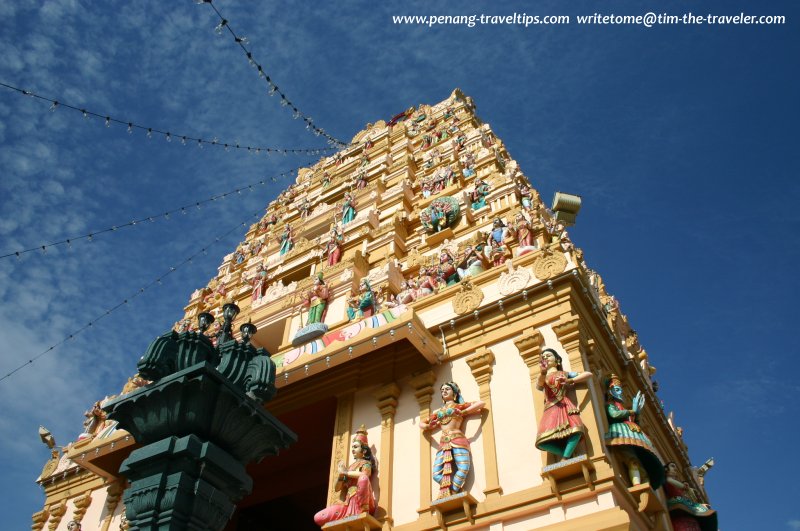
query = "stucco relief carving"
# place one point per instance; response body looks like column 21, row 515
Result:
column 514, row 280
column 347, row 274
column 549, row 265
column 278, row 290
column 468, row 298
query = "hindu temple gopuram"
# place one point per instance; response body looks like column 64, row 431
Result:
column 409, row 340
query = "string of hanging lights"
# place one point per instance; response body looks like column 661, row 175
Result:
column 185, row 209
column 224, row 25
column 157, row 281
column 167, row 134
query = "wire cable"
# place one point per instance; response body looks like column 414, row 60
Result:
column 57, row 104
column 182, row 209
column 273, row 88
column 127, row 300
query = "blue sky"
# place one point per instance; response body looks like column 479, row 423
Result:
column 682, row 141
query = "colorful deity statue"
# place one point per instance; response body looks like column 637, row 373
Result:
column 259, row 283
column 407, row 293
column 286, row 240
column 625, row 435
column 304, row 208
column 524, row 194
column 477, row 196
column 326, row 180
column 497, row 244
column 524, row 234
column 684, row 512
column 453, row 460
column 560, row 429
column 363, row 304
column 427, row 189
column 447, row 272
column 473, row 263
column 428, row 282
column 334, row 246
column 316, row 301
column 348, row 208
column 443, row 212
column 353, row 484
column 468, row 164
column 361, row 179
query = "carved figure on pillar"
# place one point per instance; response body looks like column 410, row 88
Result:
column 684, row 513
column 353, row 484
column 524, row 194
column 287, row 240
column 95, row 419
column 473, row 263
column 259, row 283
column 316, row 301
column 447, row 268
column 334, row 246
column 74, row 525
column 524, row 233
column 348, row 208
column 478, row 195
column 362, row 305
column 427, row 282
column 453, row 460
column 560, row 429
column 496, row 242
column 635, row 447
column 468, row 164
column 326, row 180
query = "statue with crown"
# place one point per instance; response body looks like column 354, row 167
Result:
column 626, row 436
column 353, row 484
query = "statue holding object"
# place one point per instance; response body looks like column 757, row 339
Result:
column 286, row 240
column 348, row 208
column 353, row 484
column 560, row 429
column 334, row 246
column 363, row 304
column 316, row 301
column 453, row 460
column 624, row 434
column 684, row 513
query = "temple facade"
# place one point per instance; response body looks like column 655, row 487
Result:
column 443, row 352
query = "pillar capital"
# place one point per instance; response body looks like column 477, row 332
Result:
column 529, row 345
column 480, row 364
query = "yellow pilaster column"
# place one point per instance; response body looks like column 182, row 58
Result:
column 423, row 391
column 481, row 366
column 113, row 495
column 386, row 398
column 530, row 350
column 341, row 441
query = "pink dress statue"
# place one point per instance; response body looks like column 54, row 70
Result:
column 353, row 484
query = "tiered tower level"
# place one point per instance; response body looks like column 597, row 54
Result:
column 440, row 264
